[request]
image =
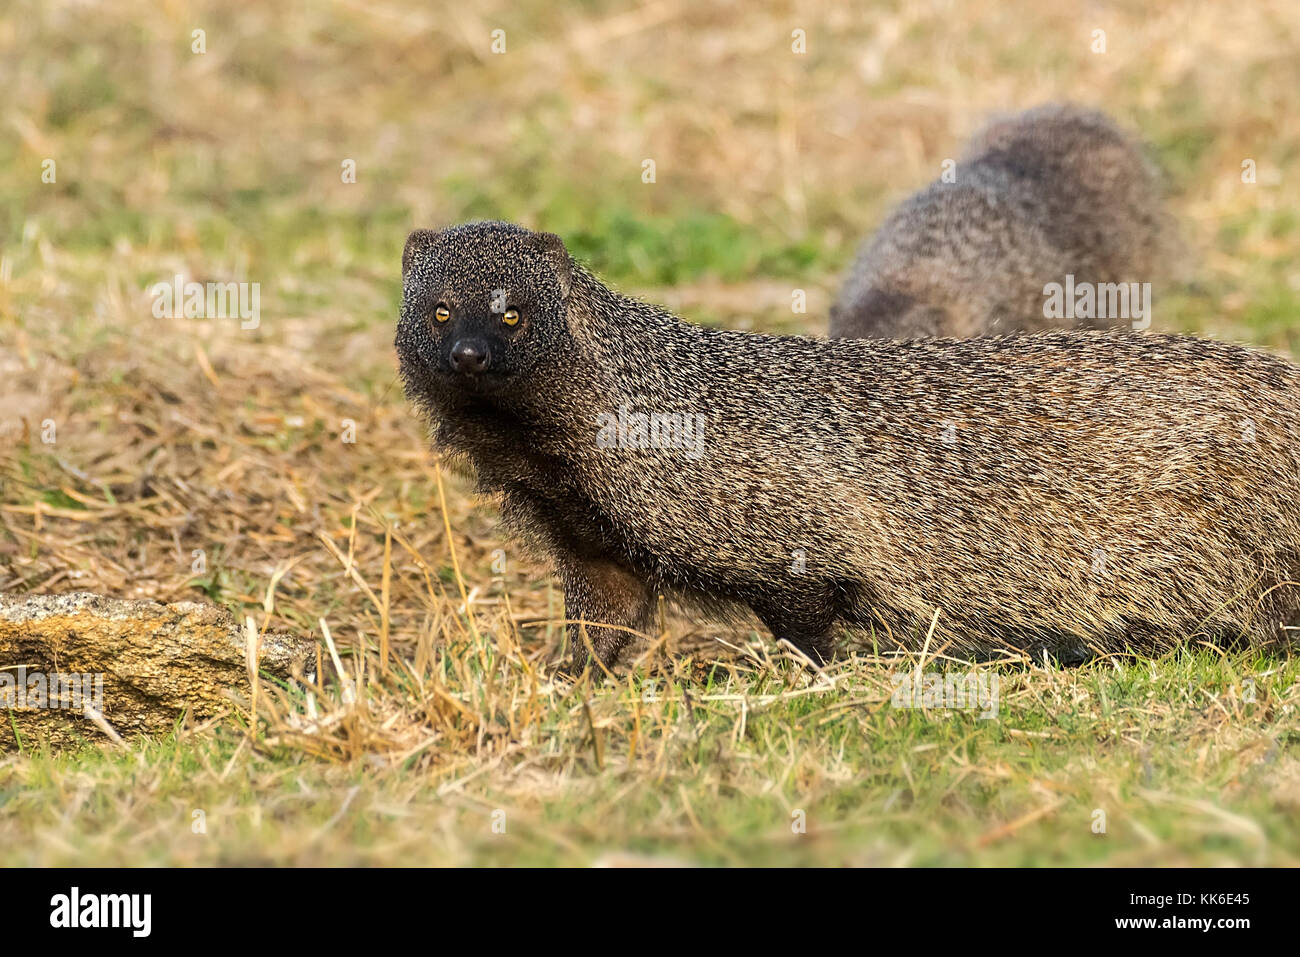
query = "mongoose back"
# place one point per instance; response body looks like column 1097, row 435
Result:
column 1053, row 192
column 1069, row 492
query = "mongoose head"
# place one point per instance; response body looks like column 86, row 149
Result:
column 483, row 305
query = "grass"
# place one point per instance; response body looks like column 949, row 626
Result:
column 718, row 764
column 180, row 436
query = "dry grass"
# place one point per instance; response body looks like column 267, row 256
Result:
column 180, row 435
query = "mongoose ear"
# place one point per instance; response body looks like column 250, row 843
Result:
column 417, row 239
column 553, row 246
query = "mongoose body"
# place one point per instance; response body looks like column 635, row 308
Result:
column 1069, row 493
column 1053, row 192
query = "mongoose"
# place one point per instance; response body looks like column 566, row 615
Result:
column 1070, row 492
column 1053, row 192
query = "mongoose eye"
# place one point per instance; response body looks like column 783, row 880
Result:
column 510, row 317
column 442, row 313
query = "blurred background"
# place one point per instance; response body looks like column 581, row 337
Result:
column 141, row 140
column 770, row 165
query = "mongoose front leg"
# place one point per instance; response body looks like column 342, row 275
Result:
column 600, row 593
column 807, row 624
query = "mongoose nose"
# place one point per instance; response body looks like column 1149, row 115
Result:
column 469, row 355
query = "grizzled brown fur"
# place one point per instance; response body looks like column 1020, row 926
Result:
column 1055, row 190
column 1069, row 493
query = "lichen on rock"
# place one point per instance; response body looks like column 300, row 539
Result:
column 144, row 662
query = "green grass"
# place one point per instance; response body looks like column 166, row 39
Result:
column 1184, row 770
column 770, row 170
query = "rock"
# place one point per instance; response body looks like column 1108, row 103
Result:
column 139, row 663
